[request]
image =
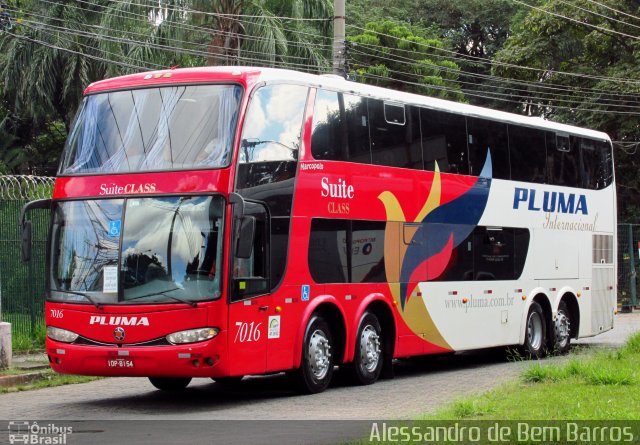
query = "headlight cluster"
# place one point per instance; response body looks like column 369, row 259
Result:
column 61, row 335
column 192, row 335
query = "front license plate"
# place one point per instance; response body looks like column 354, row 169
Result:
column 120, row 363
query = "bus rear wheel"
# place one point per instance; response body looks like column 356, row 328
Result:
column 316, row 369
column 536, row 333
column 562, row 330
column 368, row 357
column 170, row 383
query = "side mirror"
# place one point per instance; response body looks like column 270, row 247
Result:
column 238, row 202
column 25, row 252
column 27, row 227
column 246, row 235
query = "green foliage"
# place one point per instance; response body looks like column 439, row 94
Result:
column 49, row 380
column 592, row 373
column 58, row 48
column 398, row 56
column 599, row 384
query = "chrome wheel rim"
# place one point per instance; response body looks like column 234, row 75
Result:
column 534, row 330
column 369, row 348
column 562, row 328
column 319, row 354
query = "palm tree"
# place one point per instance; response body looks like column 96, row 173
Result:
column 57, row 47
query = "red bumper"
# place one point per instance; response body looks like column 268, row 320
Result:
column 193, row 360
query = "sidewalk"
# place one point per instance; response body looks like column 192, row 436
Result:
column 26, row 368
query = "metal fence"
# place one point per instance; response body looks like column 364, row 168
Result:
column 628, row 265
column 22, row 284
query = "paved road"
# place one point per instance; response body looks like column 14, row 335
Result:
column 421, row 385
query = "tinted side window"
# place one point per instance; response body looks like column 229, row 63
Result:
column 528, row 154
column 343, row 251
column 357, row 121
column 279, row 243
column 521, row 239
column 273, row 124
column 563, row 157
column 486, row 136
column 444, row 140
column 494, row 253
column 269, row 146
column 328, row 251
column 488, row 253
column 367, row 252
column 328, row 135
column 604, row 174
column 595, row 163
column 460, row 267
column 589, row 163
column 395, row 135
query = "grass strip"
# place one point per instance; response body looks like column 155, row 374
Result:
column 50, row 379
column 601, row 385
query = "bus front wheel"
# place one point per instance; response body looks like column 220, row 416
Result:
column 170, row 383
column 316, row 369
column 536, row 332
column 369, row 354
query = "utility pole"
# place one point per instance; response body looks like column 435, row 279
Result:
column 339, row 38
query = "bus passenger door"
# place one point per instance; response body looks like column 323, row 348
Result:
column 249, row 300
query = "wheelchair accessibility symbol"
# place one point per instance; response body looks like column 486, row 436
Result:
column 114, row 228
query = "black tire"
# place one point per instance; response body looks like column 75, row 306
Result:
column 170, row 383
column 316, row 368
column 535, row 339
column 369, row 351
column 561, row 342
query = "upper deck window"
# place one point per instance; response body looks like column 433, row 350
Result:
column 167, row 128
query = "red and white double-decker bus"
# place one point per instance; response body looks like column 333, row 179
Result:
column 222, row 222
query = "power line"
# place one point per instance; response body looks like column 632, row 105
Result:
column 599, row 28
column 504, row 64
column 539, row 86
column 613, row 9
column 474, row 94
column 598, row 14
column 90, row 56
column 226, row 15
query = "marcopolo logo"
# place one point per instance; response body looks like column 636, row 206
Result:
column 550, row 202
column 103, row 320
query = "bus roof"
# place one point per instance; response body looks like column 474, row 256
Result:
column 250, row 76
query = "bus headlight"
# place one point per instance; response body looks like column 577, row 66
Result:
column 192, row 335
column 61, row 335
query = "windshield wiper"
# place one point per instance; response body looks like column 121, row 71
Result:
column 82, row 294
column 164, row 292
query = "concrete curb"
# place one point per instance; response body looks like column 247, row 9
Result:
column 7, row 381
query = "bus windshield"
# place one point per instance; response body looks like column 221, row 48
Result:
column 166, row 128
column 137, row 250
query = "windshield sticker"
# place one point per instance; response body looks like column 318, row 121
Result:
column 274, row 326
column 110, row 279
column 304, row 292
column 114, row 227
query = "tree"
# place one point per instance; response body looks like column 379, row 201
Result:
column 395, row 56
column 57, row 48
column 475, row 29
